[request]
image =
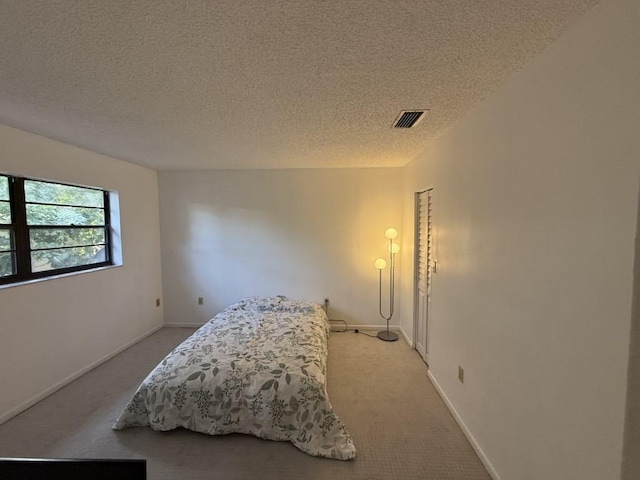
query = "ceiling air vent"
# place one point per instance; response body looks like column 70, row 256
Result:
column 409, row 118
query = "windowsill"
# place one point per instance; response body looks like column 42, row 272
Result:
column 53, row 277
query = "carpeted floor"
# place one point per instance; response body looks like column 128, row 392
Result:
column 380, row 390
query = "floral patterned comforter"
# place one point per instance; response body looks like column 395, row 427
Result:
column 259, row 368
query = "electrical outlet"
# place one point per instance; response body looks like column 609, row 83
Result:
column 460, row 374
column 200, row 300
column 157, row 302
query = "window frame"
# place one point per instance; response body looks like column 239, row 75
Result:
column 21, row 232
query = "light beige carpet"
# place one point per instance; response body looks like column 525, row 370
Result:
column 380, row 390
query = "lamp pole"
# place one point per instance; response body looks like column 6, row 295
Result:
column 387, row 335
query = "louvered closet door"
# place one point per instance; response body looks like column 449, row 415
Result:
column 424, row 250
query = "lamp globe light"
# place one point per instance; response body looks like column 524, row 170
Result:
column 380, row 263
column 391, row 233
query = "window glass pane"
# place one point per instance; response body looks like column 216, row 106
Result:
column 65, row 237
column 44, row 192
column 5, row 239
column 4, row 188
column 7, row 264
column 5, row 212
column 53, row 215
column 43, row 260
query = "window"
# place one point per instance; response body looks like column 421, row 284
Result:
column 49, row 228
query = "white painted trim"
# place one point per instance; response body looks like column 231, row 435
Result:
column 395, row 328
column 467, row 433
column 184, row 325
column 338, row 327
column 416, row 273
column 54, row 277
column 42, row 395
column 406, row 337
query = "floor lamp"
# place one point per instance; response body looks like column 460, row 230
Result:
column 380, row 264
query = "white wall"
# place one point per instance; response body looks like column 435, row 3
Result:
column 306, row 234
column 535, row 207
column 51, row 330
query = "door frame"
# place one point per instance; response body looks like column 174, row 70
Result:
column 416, row 272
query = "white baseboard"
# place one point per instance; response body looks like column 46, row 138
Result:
column 42, row 395
column 394, row 328
column 467, row 433
column 406, row 337
column 184, row 325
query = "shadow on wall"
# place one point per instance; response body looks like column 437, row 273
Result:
column 293, row 234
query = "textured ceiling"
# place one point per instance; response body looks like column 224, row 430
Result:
column 256, row 83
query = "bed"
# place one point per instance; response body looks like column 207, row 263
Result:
column 258, row 368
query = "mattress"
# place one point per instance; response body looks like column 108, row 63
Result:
column 257, row 368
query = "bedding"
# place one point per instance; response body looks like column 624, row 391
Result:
column 258, row 368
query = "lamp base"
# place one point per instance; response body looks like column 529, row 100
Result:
column 387, row 336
